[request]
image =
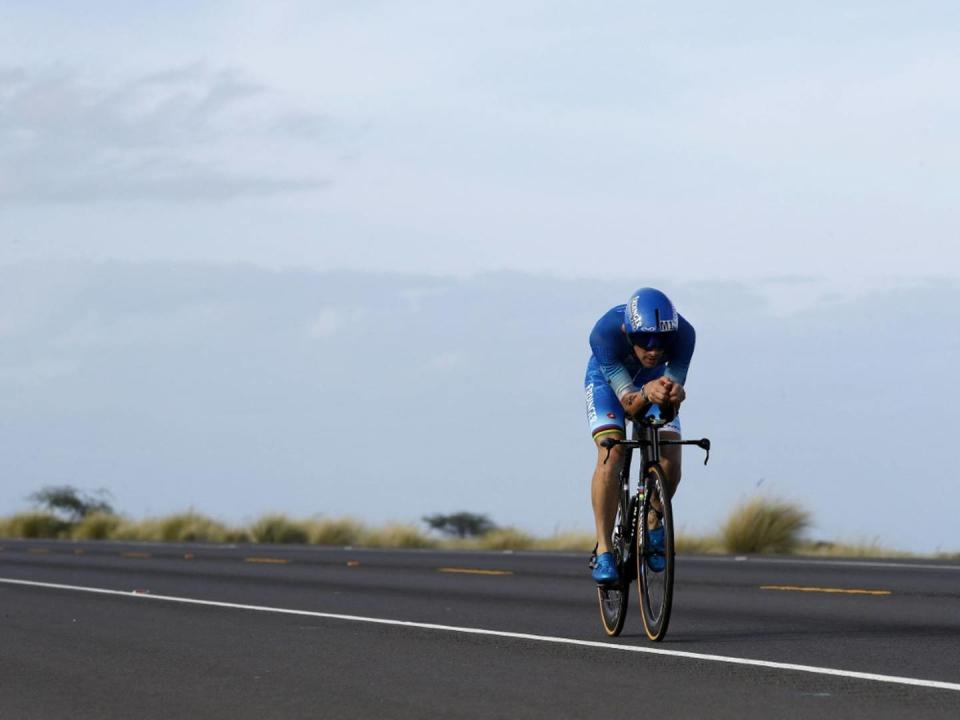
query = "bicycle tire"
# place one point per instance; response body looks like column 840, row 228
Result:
column 655, row 587
column 614, row 599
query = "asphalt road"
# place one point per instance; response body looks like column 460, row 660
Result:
column 111, row 630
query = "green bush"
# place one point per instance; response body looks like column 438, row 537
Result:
column 35, row 525
column 278, row 529
column 96, row 526
column 763, row 525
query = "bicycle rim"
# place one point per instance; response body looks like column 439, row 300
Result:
column 613, row 599
column 655, row 587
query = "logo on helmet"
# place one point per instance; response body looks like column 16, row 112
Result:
column 636, row 319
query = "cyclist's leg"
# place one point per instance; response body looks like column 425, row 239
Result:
column 670, row 457
column 671, row 460
column 605, row 490
column 605, row 415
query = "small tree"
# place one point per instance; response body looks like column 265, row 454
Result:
column 70, row 502
column 461, row 524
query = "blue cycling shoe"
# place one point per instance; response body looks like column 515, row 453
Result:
column 655, row 558
column 605, row 569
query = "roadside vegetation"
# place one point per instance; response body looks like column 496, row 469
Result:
column 759, row 525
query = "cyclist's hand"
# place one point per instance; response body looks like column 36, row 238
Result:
column 676, row 394
column 658, row 390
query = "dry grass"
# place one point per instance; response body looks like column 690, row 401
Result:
column 181, row 527
column 96, row 526
column 277, row 528
column 686, row 544
column 507, row 538
column 397, row 535
column 567, row 541
column 764, row 525
column 34, row 525
column 336, row 531
column 760, row 525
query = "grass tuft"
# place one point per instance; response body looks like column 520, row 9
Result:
column 397, row 535
column 96, row 526
column 335, row 531
column 506, row 538
column 279, row 528
column 763, row 525
column 181, row 527
column 34, row 525
column 567, row 541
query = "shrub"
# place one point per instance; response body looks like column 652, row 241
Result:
column 335, row 531
column 36, row 525
column 764, row 526
column 507, row 538
column 96, row 526
column 278, row 529
column 397, row 536
column 182, row 527
column 569, row 541
column 461, row 524
column 194, row 527
column 74, row 504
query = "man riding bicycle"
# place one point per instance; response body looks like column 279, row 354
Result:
column 641, row 354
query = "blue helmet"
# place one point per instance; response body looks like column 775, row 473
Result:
column 650, row 318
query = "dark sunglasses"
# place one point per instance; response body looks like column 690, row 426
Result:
column 649, row 340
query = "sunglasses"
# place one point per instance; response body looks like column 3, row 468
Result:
column 649, row 340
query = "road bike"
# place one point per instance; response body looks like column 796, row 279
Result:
column 646, row 509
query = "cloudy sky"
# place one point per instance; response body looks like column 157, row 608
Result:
column 171, row 180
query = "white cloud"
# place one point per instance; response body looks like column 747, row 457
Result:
column 188, row 134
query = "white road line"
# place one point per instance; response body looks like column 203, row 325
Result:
column 505, row 634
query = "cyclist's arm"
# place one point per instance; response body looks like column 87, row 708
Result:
column 603, row 343
column 681, row 353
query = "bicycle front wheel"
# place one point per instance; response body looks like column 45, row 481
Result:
column 613, row 598
column 655, row 559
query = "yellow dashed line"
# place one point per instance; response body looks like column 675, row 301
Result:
column 844, row 591
column 79, row 551
column 474, row 571
column 39, row 551
column 268, row 560
column 136, row 554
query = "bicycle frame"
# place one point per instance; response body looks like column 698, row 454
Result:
column 645, row 436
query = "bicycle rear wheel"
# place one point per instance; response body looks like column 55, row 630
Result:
column 655, row 585
column 614, row 598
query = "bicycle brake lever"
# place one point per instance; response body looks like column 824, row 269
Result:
column 705, row 444
column 607, row 456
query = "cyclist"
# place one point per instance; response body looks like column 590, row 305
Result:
column 641, row 353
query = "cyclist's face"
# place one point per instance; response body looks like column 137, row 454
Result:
column 648, row 358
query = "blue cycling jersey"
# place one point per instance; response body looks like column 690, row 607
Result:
column 614, row 358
